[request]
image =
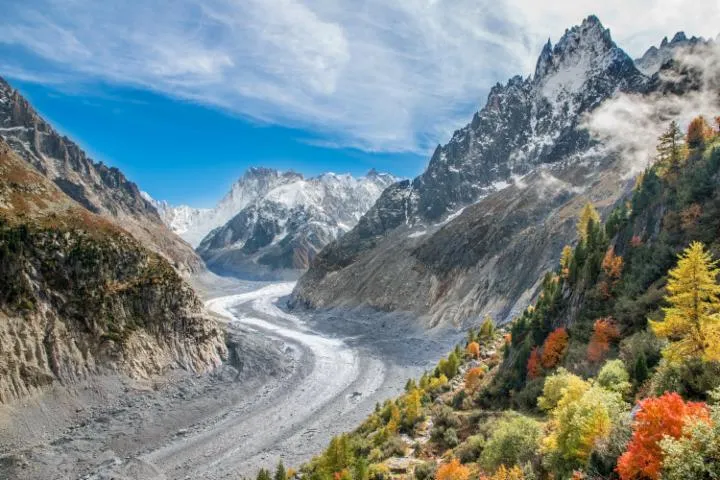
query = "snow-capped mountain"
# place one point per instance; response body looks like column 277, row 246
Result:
column 286, row 219
column 497, row 203
column 290, row 188
column 655, row 57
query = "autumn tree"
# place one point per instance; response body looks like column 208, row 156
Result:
column 452, row 471
column 534, row 366
column 583, row 418
column 698, row 132
column 514, row 441
column 588, row 216
column 412, row 412
column 565, row 260
column 612, row 264
column 554, row 348
column 473, row 350
column 657, row 418
column 605, row 331
column 692, row 321
column 506, row 473
column 670, row 150
column 473, row 378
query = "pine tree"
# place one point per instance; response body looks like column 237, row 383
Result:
column 280, row 473
column 692, row 322
column 487, row 329
column 670, row 150
column 588, row 217
column 640, row 370
column 263, row 474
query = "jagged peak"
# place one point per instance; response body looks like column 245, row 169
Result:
column 590, row 35
column 679, row 37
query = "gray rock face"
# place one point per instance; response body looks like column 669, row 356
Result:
column 520, row 169
column 101, row 189
column 288, row 221
column 80, row 296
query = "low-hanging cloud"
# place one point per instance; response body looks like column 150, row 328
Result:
column 630, row 124
column 371, row 74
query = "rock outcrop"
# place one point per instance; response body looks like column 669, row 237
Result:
column 81, row 296
column 100, row 189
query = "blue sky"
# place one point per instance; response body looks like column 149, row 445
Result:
column 184, row 95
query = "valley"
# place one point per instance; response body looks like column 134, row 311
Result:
column 292, row 382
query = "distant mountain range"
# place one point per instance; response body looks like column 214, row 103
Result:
column 473, row 234
column 273, row 223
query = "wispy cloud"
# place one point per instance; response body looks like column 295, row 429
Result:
column 370, row 74
column 631, row 124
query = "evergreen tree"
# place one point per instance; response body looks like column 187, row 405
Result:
column 692, row 322
column 280, row 473
column 263, row 474
column 640, row 370
column 487, row 329
column 669, row 151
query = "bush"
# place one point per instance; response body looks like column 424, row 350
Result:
column 514, row 441
column 692, row 379
column 450, row 438
column 424, row 471
column 470, row 450
column 614, row 377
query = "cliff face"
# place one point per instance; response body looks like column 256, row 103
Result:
column 474, row 232
column 100, row 189
column 81, row 296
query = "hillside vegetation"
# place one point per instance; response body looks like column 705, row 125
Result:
column 613, row 373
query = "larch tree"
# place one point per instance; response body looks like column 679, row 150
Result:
column 473, row 350
column 698, row 132
column 692, row 321
column 670, row 150
column 565, row 260
column 452, row 471
column 588, row 216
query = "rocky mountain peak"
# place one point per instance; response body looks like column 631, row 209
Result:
column 655, row 57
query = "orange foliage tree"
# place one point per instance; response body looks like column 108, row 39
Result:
column 452, row 471
column 604, row 332
column 657, row 417
column 554, row 348
column 473, row 350
column 612, row 264
column 473, row 377
column 698, row 132
column 534, row 368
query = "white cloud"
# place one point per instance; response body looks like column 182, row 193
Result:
column 631, row 124
column 372, row 74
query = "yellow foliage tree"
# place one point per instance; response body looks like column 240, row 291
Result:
column 565, row 260
column 587, row 216
column 505, row 473
column 692, row 321
column 452, row 471
column 413, row 406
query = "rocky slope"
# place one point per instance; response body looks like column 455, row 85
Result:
column 81, row 296
column 100, row 189
column 286, row 220
column 475, row 231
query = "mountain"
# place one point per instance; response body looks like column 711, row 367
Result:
column 474, row 232
column 81, row 296
column 100, row 189
column 655, row 57
column 286, row 219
